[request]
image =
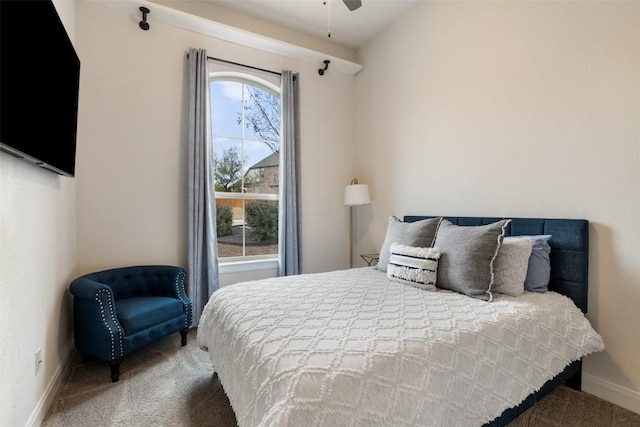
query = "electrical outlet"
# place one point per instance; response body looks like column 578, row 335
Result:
column 38, row 360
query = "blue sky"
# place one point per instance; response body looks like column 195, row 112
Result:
column 226, row 106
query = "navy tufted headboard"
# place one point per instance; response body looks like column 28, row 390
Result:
column 569, row 249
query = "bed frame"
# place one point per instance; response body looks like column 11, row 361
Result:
column 569, row 276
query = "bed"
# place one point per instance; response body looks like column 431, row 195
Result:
column 352, row 347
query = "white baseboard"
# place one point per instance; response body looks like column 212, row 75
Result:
column 40, row 411
column 611, row 392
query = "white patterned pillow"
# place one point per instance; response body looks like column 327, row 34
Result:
column 413, row 265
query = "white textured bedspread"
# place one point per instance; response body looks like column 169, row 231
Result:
column 352, row 348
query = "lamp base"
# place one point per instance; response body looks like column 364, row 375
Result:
column 350, row 236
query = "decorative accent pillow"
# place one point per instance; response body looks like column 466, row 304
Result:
column 511, row 265
column 539, row 272
column 467, row 257
column 420, row 233
column 413, row 265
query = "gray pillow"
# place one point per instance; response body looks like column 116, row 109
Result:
column 419, row 233
column 511, row 266
column 539, row 271
column 467, row 257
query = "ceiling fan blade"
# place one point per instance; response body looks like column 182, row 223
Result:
column 353, row 4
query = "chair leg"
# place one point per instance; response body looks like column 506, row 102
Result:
column 115, row 370
column 183, row 335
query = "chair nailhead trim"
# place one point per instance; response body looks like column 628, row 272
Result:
column 113, row 319
column 180, row 291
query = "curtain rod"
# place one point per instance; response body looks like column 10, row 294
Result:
column 211, row 58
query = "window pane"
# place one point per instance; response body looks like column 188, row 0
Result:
column 229, row 227
column 252, row 230
column 226, row 108
column 261, row 219
column 261, row 158
column 229, row 164
column 262, row 115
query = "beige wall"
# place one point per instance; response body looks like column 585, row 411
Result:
column 516, row 109
column 37, row 260
column 127, row 203
column 131, row 177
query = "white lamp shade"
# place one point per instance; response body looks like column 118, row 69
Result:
column 356, row 194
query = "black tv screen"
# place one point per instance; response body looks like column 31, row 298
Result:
column 39, row 83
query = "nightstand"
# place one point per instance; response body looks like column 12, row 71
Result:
column 370, row 259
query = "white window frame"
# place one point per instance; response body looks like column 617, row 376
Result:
column 244, row 262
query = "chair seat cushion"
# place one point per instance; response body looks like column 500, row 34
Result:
column 139, row 313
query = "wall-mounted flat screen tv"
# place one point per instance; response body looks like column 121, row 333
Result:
column 39, row 83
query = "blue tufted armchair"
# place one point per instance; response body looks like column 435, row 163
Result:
column 118, row 311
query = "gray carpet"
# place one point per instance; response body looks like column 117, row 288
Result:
column 169, row 385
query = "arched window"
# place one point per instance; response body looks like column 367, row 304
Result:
column 246, row 144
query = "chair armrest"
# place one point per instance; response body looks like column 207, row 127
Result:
column 87, row 289
column 171, row 280
column 97, row 331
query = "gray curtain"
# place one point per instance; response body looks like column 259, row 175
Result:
column 289, row 216
column 202, row 270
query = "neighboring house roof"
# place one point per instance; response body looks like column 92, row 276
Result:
column 269, row 161
column 272, row 160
